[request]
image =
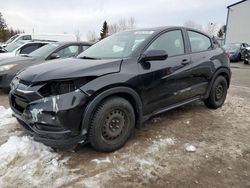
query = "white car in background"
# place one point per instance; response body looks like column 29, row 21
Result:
column 21, row 48
column 52, row 37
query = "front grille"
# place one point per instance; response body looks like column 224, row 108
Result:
column 19, row 103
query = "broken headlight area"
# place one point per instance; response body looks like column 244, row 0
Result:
column 64, row 86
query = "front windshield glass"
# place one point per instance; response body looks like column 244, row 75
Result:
column 12, row 46
column 231, row 46
column 119, row 45
column 44, row 51
column 11, row 39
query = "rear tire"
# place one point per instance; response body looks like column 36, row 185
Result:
column 112, row 124
column 218, row 93
column 245, row 62
column 239, row 57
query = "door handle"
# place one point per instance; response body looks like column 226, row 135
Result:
column 185, row 62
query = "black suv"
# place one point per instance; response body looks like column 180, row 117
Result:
column 117, row 84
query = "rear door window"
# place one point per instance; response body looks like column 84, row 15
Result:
column 199, row 42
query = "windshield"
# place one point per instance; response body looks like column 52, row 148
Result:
column 44, row 51
column 12, row 46
column 231, row 46
column 119, row 45
column 11, row 39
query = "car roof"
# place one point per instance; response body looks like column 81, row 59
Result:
column 163, row 28
column 74, row 42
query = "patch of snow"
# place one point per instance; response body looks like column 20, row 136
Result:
column 5, row 113
column 98, row 161
column 161, row 143
column 25, row 162
column 8, row 124
column 97, row 181
column 190, row 148
column 143, row 162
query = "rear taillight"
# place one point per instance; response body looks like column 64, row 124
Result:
column 227, row 54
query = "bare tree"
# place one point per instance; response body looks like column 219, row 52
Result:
column 91, row 36
column 122, row 25
column 114, row 28
column 77, row 35
column 131, row 23
column 212, row 28
column 193, row 25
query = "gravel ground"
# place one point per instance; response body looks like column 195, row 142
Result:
column 191, row 146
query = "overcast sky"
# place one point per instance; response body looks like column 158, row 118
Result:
column 59, row 16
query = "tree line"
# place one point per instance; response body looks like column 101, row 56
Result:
column 211, row 28
column 5, row 31
column 108, row 30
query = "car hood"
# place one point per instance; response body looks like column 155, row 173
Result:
column 6, row 55
column 19, row 60
column 69, row 68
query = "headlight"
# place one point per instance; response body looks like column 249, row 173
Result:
column 62, row 87
column 14, row 83
column 7, row 67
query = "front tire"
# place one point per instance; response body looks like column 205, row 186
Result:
column 218, row 93
column 112, row 124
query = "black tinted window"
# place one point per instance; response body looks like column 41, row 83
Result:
column 171, row 42
column 29, row 48
column 199, row 42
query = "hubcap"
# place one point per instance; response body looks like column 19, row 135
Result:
column 114, row 125
column 219, row 91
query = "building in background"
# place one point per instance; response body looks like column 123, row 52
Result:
column 238, row 23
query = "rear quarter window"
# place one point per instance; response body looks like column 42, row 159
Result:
column 199, row 42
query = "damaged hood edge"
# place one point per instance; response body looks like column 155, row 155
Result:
column 69, row 69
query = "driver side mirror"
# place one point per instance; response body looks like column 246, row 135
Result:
column 54, row 56
column 154, row 55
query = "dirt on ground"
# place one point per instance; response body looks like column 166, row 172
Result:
column 191, row 146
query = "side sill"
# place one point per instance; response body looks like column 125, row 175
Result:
column 145, row 118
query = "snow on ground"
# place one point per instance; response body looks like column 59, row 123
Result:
column 25, row 162
column 8, row 125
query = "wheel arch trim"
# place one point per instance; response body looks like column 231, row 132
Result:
column 220, row 71
column 107, row 93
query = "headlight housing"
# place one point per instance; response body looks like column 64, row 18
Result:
column 61, row 87
column 7, row 67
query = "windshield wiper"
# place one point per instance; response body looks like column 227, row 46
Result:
column 86, row 57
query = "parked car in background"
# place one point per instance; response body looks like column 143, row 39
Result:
column 16, row 38
column 35, row 36
column 10, row 66
column 235, row 50
column 247, row 55
column 116, row 84
column 21, row 48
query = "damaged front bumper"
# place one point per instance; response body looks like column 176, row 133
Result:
column 54, row 120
